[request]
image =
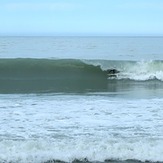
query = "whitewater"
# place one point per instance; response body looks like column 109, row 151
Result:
column 59, row 103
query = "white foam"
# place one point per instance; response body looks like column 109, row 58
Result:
column 34, row 151
column 143, row 71
column 67, row 127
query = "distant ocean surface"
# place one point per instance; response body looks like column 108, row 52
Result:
column 81, row 99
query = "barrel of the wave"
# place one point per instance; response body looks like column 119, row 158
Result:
column 48, row 75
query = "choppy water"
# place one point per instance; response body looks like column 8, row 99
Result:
column 72, row 110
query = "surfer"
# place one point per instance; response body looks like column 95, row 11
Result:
column 112, row 72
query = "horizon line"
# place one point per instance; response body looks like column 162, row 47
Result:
column 82, row 35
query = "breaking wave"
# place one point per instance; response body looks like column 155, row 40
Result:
column 27, row 75
column 134, row 70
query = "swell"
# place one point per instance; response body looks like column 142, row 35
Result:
column 47, row 75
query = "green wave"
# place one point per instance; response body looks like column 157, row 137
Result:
column 48, row 75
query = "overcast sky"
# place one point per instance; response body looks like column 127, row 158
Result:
column 81, row 17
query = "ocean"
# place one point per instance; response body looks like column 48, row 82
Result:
column 81, row 99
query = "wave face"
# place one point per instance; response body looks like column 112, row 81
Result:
column 69, row 75
column 45, row 75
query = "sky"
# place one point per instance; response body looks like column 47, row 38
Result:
column 81, row 17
